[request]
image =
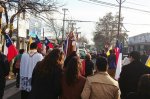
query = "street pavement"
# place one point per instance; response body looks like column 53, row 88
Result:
column 11, row 92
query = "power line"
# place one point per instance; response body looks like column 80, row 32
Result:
column 136, row 4
column 137, row 24
column 88, row 21
column 118, row 6
column 96, row 4
column 114, row 5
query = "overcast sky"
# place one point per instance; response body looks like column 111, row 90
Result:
column 136, row 16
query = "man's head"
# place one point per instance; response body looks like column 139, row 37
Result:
column 21, row 51
column 33, row 46
column 101, row 64
column 134, row 55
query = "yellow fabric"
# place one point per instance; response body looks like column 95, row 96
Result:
column 148, row 62
column 108, row 53
column 30, row 41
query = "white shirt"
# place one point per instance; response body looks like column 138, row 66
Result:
column 27, row 64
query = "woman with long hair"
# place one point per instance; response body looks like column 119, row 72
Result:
column 72, row 81
column 46, row 77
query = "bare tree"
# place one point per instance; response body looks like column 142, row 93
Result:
column 35, row 7
column 83, row 40
column 106, row 30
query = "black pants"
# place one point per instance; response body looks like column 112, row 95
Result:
column 2, row 86
column 24, row 94
column 17, row 77
column 1, row 93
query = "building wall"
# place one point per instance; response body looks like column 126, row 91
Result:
column 140, row 43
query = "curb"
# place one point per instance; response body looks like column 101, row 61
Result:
column 10, row 83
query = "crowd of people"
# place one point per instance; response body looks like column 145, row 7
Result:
column 57, row 76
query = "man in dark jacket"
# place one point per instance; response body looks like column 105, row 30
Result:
column 112, row 63
column 4, row 71
column 131, row 73
column 144, row 57
column 89, row 65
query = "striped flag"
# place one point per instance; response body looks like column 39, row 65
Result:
column 38, row 42
column 11, row 49
column 118, row 51
column 48, row 43
column 70, row 44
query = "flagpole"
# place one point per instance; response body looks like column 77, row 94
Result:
column 43, row 34
column 63, row 30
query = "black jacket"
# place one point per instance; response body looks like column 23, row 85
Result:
column 47, row 86
column 4, row 69
column 135, row 95
column 130, row 75
column 89, row 67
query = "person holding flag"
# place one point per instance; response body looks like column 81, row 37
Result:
column 71, row 44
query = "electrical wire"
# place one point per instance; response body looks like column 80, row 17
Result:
column 114, row 5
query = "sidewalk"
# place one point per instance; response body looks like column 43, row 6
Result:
column 10, row 89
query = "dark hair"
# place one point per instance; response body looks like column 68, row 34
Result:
column 21, row 51
column 135, row 55
column 101, row 63
column 103, row 51
column 33, row 45
column 69, row 58
column 51, row 61
column 144, row 85
column 72, row 70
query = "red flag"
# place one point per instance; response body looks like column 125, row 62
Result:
column 39, row 44
column 48, row 43
column 119, row 60
column 12, row 51
column 117, row 51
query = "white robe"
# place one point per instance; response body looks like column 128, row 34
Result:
column 28, row 62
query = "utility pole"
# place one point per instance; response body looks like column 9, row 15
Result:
column 63, row 29
column 120, row 3
column 72, row 26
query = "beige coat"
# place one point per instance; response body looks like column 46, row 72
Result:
column 101, row 86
